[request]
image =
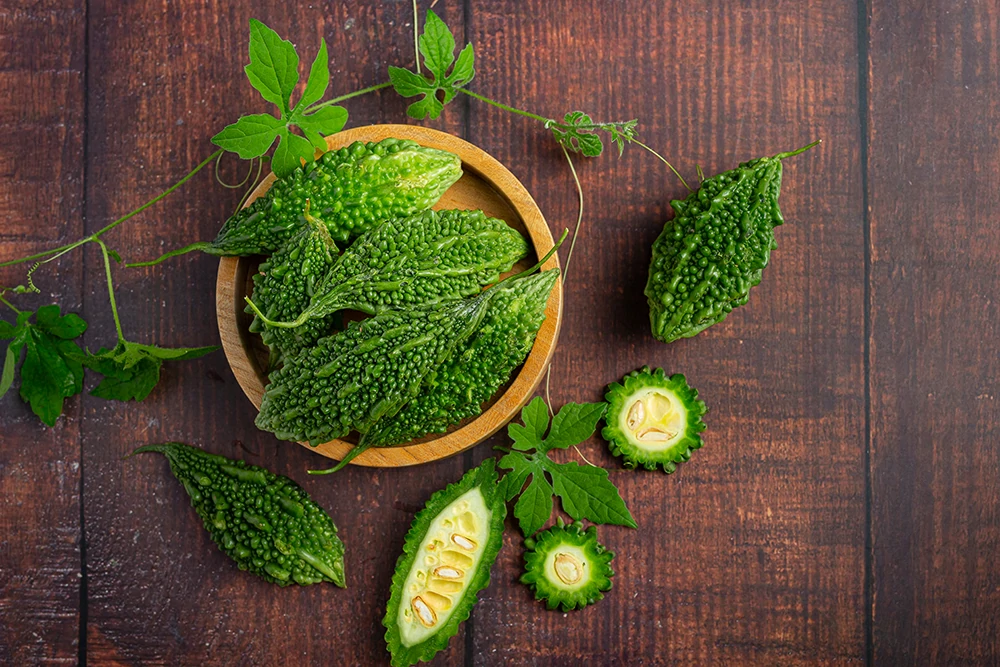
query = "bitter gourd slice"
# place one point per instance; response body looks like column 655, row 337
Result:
column 349, row 380
column 653, row 420
column 351, row 189
column 567, row 567
column 432, row 257
column 263, row 521
column 715, row 249
column 477, row 368
column 286, row 283
column 446, row 561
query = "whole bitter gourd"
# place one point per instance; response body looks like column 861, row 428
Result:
column 446, row 560
column 287, row 282
column 653, row 420
column 715, row 249
column 351, row 189
column 567, row 567
column 352, row 378
column 432, row 257
column 264, row 522
column 477, row 368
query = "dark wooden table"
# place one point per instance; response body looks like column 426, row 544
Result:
column 846, row 506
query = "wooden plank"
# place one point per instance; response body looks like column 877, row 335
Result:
column 41, row 195
column 754, row 552
column 164, row 79
column 934, row 208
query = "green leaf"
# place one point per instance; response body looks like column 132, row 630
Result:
column 132, row 370
column 67, row 326
column 319, row 79
column 534, row 507
column 47, row 377
column 7, row 376
column 136, row 383
column 274, row 65
column 429, row 107
column 464, row 67
column 574, row 424
column 438, row 45
column 290, row 153
column 409, row 84
column 7, row 330
column 587, row 493
column 324, row 122
column 520, row 468
column 535, row 416
column 250, row 136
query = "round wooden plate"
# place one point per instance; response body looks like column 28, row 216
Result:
column 486, row 184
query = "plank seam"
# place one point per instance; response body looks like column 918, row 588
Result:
column 82, row 638
column 864, row 35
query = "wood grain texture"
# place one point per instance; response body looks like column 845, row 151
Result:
column 485, row 185
column 41, row 197
column 753, row 553
column 164, row 78
column 933, row 167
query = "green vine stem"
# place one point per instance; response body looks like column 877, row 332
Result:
column 356, row 93
column 111, row 288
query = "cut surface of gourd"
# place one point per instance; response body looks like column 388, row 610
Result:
column 653, row 420
column 567, row 567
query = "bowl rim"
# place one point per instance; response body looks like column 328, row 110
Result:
column 232, row 274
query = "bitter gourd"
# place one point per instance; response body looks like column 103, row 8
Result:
column 351, row 189
column 567, row 567
column 478, row 367
column 352, row 378
column 653, row 420
column 264, row 522
column 446, row 561
column 715, row 249
column 286, row 283
column 432, row 257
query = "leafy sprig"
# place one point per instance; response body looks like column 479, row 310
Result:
column 274, row 72
column 585, row 492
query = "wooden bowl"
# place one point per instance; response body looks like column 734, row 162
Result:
column 486, row 184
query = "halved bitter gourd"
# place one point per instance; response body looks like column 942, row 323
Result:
column 653, row 420
column 567, row 567
column 446, row 561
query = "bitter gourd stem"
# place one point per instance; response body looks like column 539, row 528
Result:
column 111, row 289
column 664, row 161
column 96, row 235
column 782, row 156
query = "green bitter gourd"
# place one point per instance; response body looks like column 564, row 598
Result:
column 653, row 420
column 432, row 257
column 263, row 521
column 446, row 561
column 477, row 368
column 567, row 567
column 715, row 249
column 352, row 378
column 351, row 189
column 286, row 283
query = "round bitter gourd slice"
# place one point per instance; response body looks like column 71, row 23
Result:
column 446, row 561
column 567, row 567
column 653, row 420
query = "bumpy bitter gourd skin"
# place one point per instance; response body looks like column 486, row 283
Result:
column 351, row 189
column 264, row 522
column 714, row 250
column 287, row 282
column 477, row 368
column 446, row 561
column 653, row 420
column 567, row 567
column 431, row 257
column 351, row 379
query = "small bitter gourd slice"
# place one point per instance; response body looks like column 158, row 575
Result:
column 352, row 378
column 263, row 521
column 653, row 420
column 446, row 561
column 567, row 567
column 286, row 283
column 715, row 249
column 477, row 368
column 351, row 189
column 432, row 257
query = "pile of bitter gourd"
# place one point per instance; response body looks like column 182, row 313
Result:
column 353, row 231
